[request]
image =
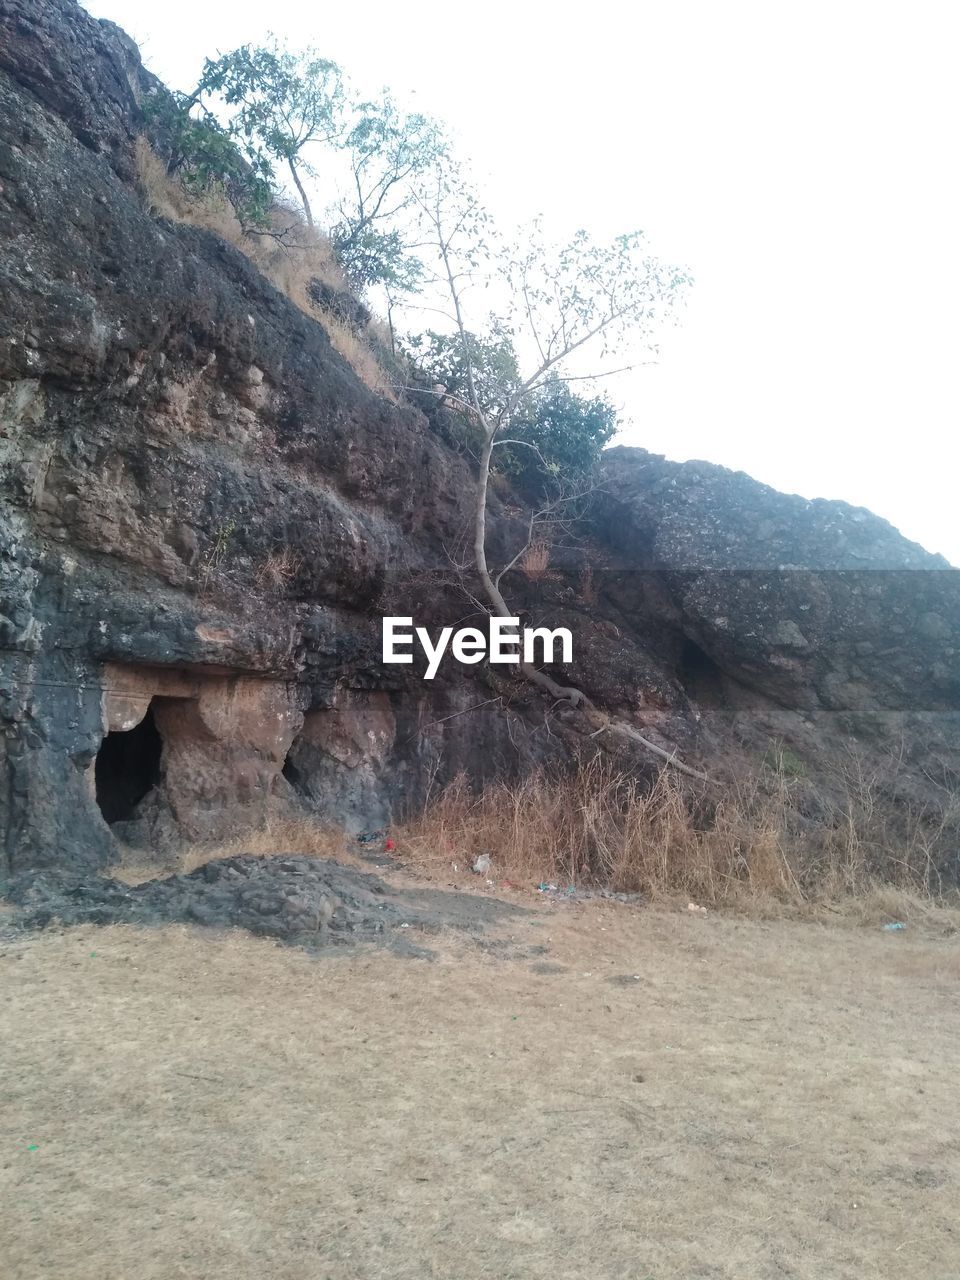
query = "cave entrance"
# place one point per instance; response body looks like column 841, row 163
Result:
column 127, row 768
column 291, row 772
column 700, row 676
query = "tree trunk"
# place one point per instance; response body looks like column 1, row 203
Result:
column 307, row 212
column 566, row 693
column 574, row 696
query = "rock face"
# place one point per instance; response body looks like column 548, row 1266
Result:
column 816, row 604
column 205, row 513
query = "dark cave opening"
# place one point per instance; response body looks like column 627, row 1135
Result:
column 291, row 772
column 127, row 768
column 700, row 676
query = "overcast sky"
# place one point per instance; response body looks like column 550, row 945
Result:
column 800, row 159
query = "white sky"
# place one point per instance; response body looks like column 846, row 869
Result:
column 800, row 159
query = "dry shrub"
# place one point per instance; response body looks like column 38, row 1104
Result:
column 751, row 844
column 278, row 837
column 501, row 486
column 281, row 835
column 161, row 195
column 166, row 197
column 288, row 253
column 535, row 560
column 278, row 570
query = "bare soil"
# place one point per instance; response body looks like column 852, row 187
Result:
column 658, row 1094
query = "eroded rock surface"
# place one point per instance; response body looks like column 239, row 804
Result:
column 205, row 514
column 302, row 901
column 815, row 604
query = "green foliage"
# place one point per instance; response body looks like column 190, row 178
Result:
column 205, row 158
column 281, row 104
column 581, row 300
column 446, row 360
column 784, row 760
column 387, row 151
column 370, row 257
column 562, row 433
column 585, row 292
column 280, row 101
column 566, row 431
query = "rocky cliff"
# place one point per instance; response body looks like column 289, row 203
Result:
column 205, row 514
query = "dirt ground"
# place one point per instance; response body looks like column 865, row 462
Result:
column 657, row 1095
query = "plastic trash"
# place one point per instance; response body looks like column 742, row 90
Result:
column 481, row 864
column 897, row 924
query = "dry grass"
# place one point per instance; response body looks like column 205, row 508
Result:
column 358, row 355
column 752, row 847
column 281, row 836
column 680, row 1098
column 291, row 257
column 278, row 571
column 278, row 837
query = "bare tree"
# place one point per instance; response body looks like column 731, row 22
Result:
column 585, row 300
